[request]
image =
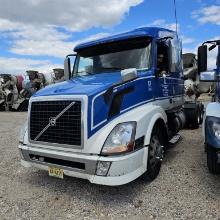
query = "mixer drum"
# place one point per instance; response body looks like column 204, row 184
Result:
column 20, row 79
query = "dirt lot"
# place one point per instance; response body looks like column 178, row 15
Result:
column 183, row 190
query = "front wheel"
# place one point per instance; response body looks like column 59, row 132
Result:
column 212, row 161
column 155, row 154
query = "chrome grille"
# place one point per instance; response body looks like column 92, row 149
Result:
column 57, row 122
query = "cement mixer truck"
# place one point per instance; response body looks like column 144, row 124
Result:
column 193, row 108
column 9, row 90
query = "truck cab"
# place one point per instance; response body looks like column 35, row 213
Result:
column 211, row 123
column 111, row 121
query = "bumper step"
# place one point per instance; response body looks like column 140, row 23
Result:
column 175, row 140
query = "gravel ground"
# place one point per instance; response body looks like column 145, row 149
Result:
column 183, row 190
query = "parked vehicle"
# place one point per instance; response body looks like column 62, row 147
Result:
column 15, row 94
column 2, row 96
column 190, row 67
column 211, row 125
column 112, row 120
column 193, row 108
column 8, row 90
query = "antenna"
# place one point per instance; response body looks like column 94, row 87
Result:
column 174, row 1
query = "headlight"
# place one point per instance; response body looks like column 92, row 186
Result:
column 216, row 130
column 22, row 132
column 212, row 131
column 121, row 139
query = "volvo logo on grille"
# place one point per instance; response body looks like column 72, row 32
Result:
column 52, row 121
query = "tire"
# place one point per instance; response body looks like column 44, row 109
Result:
column 212, row 161
column 201, row 112
column 155, row 154
column 195, row 117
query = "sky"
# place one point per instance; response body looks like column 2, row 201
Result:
column 38, row 34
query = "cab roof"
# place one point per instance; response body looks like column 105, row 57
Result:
column 152, row 32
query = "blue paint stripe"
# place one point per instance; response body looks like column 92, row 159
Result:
column 102, row 124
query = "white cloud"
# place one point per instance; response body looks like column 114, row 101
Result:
column 51, row 43
column 33, row 26
column 6, row 25
column 40, row 40
column 76, row 15
column 162, row 23
column 172, row 26
column 17, row 65
column 210, row 14
column 32, row 40
column 158, row 22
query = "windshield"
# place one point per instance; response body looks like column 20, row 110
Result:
column 110, row 58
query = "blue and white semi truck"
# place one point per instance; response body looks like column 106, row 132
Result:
column 111, row 121
column 211, row 123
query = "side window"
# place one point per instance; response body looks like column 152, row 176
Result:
column 162, row 58
column 85, row 65
column 218, row 58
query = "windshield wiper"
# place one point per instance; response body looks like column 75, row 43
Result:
column 112, row 68
column 78, row 73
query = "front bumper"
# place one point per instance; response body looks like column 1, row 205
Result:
column 123, row 169
column 208, row 147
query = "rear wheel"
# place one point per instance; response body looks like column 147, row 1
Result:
column 212, row 161
column 196, row 117
column 155, row 154
column 193, row 117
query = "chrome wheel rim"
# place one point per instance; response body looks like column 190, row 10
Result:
column 156, row 151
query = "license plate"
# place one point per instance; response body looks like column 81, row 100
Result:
column 55, row 172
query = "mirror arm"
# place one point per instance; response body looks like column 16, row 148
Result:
column 67, row 70
column 71, row 55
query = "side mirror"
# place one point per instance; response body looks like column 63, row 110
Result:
column 175, row 55
column 218, row 57
column 208, row 76
column 202, row 58
column 171, row 54
column 67, row 68
column 128, row 74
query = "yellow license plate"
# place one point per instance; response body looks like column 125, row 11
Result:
column 55, row 172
